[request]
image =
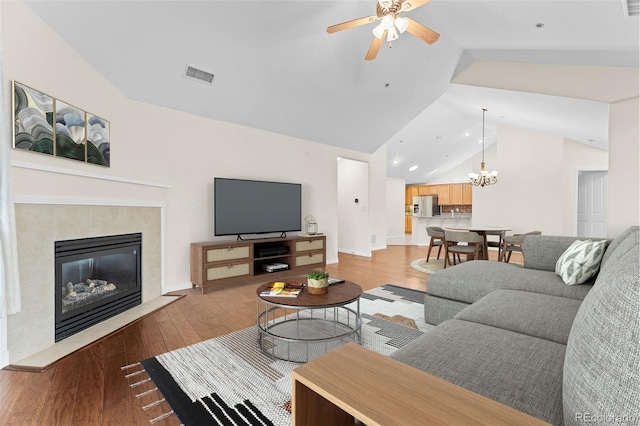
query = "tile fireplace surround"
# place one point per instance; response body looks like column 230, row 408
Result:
column 38, row 226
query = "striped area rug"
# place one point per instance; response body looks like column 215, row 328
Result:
column 228, row 380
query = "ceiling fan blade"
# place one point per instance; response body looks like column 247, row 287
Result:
column 408, row 5
column 375, row 47
column 351, row 24
column 425, row 34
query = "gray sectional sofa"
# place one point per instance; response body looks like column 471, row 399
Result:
column 564, row 354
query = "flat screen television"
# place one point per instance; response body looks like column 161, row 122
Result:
column 256, row 207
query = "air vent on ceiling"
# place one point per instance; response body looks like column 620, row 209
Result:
column 633, row 7
column 197, row 74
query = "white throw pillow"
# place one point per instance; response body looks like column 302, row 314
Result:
column 580, row 261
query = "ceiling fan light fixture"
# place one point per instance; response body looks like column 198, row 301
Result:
column 387, row 22
column 392, row 34
column 401, row 24
column 378, row 31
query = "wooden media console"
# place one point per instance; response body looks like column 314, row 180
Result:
column 216, row 263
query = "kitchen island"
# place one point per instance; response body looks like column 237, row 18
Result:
column 419, row 225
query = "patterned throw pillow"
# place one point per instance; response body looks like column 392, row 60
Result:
column 580, row 261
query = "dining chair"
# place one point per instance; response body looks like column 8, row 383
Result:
column 474, row 245
column 493, row 243
column 437, row 239
column 513, row 243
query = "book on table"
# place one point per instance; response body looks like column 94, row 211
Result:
column 283, row 289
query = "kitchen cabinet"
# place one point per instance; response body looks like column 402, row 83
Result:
column 467, row 194
column 455, row 194
column 408, row 221
column 443, row 195
column 425, row 190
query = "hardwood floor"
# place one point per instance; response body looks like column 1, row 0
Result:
column 89, row 387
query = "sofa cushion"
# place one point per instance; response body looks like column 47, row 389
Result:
column 541, row 252
column 580, row 261
column 616, row 242
column 602, row 365
column 470, row 281
column 437, row 309
column 520, row 371
column 537, row 315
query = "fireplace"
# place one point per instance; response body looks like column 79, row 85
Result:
column 95, row 279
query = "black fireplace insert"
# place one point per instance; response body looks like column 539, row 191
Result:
column 96, row 279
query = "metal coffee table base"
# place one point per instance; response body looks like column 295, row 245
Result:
column 298, row 334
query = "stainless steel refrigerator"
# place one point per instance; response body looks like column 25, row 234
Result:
column 426, row 206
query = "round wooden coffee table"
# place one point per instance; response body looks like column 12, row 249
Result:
column 297, row 329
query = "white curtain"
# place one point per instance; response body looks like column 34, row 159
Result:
column 9, row 277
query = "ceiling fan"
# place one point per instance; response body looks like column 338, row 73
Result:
column 388, row 12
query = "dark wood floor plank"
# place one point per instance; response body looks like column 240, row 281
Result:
column 134, row 344
column 152, row 336
column 90, row 396
column 116, row 390
column 61, row 400
column 11, row 389
column 183, row 325
column 170, row 333
column 29, row 407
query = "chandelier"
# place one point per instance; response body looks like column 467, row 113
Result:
column 484, row 178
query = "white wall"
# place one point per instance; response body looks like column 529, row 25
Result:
column 395, row 207
column 378, row 198
column 527, row 196
column 184, row 152
column 624, row 160
column 537, row 182
column 460, row 173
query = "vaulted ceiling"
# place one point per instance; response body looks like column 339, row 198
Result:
column 549, row 65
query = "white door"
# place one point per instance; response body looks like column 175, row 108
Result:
column 592, row 204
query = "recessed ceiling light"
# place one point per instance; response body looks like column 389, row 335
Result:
column 395, row 161
column 480, row 141
column 412, row 168
column 467, row 134
column 432, row 171
column 539, row 25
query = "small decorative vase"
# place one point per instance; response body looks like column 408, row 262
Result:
column 317, row 286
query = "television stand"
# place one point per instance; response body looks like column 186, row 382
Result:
column 223, row 262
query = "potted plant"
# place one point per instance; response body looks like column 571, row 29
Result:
column 317, row 282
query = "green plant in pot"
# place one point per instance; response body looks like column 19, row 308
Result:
column 317, row 282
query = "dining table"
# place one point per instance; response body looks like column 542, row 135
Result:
column 483, row 231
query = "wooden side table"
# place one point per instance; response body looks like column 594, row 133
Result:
column 354, row 382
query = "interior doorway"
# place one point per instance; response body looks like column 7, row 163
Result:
column 591, row 218
column 353, row 207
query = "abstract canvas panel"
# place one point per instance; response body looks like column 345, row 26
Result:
column 98, row 140
column 70, row 133
column 33, row 119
